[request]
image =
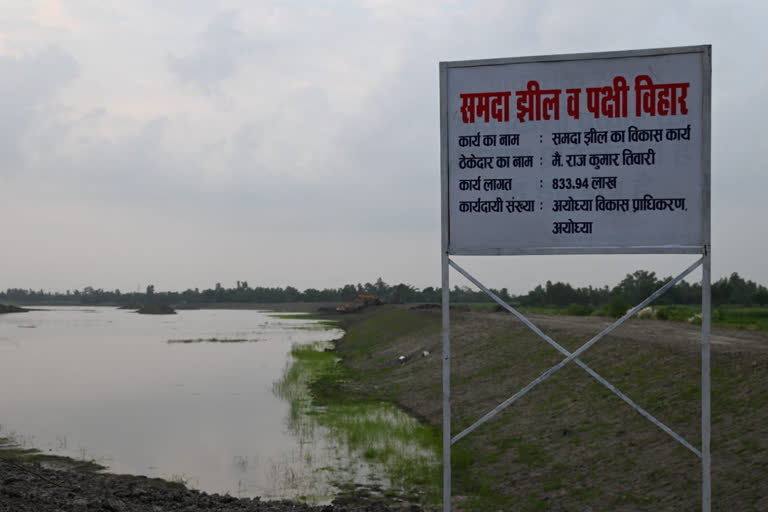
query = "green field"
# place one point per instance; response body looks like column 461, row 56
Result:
column 753, row 318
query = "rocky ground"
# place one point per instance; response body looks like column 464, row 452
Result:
column 32, row 487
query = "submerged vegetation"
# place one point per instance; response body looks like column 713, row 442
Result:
column 318, row 322
column 213, row 340
column 15, row 450
column 294, row 316
column 373, row 430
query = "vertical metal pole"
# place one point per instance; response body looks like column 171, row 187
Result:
column 706, row 282
column 445, row 243
column 446, row 387
column 706, row 411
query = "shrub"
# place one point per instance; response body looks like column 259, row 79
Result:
column 617, row 306
column 579, row 310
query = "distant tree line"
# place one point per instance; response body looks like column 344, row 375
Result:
column 640, row 284
column 242, row 292
column 633, row 288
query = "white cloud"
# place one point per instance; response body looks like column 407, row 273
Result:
column 215, row 59
column 283, row 122
column 27, row 86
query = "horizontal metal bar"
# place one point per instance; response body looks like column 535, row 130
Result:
column 576, row 56
column 523, row 251
column 574, row 355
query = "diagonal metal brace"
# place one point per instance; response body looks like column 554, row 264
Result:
column 573, row 356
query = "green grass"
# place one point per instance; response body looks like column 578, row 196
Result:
column 294, row 316
column 213, row 340
column 376, row 431
column 315, row 327
column 319, row 323
column 749, row 318
column 753, row 318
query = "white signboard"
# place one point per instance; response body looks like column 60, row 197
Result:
column 594, row 153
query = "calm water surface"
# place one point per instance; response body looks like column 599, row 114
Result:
column 106, row 384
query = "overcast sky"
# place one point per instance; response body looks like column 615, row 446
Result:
column 189, row 142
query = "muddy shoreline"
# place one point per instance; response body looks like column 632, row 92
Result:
column 33, row 481
column 35, row 487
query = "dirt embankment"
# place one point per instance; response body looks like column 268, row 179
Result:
column 571, row 444
column 156, row 309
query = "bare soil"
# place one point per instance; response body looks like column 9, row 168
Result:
column 675, row 334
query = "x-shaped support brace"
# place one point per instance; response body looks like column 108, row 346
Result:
column 573, row 356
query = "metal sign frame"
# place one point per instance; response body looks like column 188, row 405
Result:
column 705, row 52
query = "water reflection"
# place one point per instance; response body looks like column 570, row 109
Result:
column 105, row 384
column 217, row 399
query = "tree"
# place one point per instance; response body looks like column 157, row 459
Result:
column 292, row 294
column 348, row 293
column 617, row 306
column 381, row 287
column 637, row 286
column 430, row 294
column 760, row 296
column 311, row 295
column 402, row 293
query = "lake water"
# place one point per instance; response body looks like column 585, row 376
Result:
column 106, row 384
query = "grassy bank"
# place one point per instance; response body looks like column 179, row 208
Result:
column 320, row 323
column 371, row 430
column 570, row 444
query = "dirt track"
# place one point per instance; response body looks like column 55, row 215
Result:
column 675, row 334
